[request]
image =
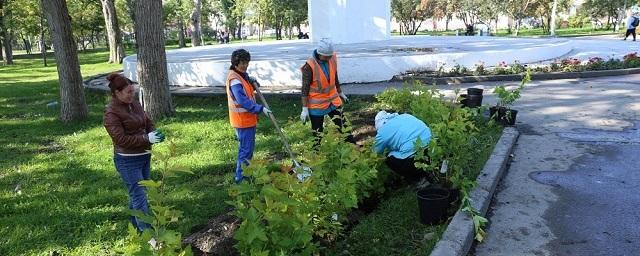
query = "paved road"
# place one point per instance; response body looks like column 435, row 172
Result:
column 572, row 187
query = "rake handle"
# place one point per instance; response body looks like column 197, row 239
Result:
column 275, row 124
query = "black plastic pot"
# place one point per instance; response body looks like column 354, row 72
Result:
column 471, row 100
column 474, row 101
column 504, row 116
column 432, row 204
column 474, row 91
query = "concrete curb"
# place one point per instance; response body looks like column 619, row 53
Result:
column 493, row 78
column 459, row 236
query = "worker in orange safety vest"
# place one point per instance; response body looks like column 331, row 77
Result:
column 243, row 109
column 321, row 92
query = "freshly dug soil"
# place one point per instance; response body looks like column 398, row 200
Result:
column 216, row 238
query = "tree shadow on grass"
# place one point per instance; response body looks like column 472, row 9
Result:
column 61, row 207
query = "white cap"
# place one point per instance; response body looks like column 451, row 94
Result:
column 325, row 47
column 382, row 117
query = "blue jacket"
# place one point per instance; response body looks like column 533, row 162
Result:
column 399, row 134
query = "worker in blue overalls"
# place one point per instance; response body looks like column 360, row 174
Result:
column 243, row 109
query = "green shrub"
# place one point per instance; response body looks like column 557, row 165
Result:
column 613, row 64
column 458, row 70
column 595, row 63
column 516, row 68
column 453, row 131
column 506, row 97
column 480, row 69
column 282, row 215
column 579, row 21
column 160, row 239
column 631, row 60
column 501, row 68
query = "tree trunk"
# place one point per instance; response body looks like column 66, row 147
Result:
column 81, row 41
column 42, row 44
column 26, row 43
column 181, row 42
column 131, row 6
column 195, row 23
column 1, row 54
column 92, row 41
column 152, row 60
column 240, row 20
column 446, row 23
column 5, row 36
column 73, row 105
column 8, row 49
column 552, row 22
column 116, row 49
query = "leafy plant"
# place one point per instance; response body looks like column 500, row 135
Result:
column 554, row 67
column 517, row 68
column 283, row 215
column 159, row 239
column 458, row 70
column 613, row 64
column 595, row 63
column 507, row 97
column 631, row 60
column 453, row 131
column 480, row 69
column 571, row 65
column 501, row 68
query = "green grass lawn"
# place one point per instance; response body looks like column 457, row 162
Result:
column 70, row 198
column 59, row 190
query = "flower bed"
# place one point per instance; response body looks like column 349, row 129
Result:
column 631, row 60
column 282, row 215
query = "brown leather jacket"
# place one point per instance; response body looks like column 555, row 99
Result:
column 128, row 125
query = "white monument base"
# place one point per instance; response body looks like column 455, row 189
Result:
column 278, row 63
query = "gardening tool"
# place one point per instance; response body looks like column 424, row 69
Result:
column 302, row 172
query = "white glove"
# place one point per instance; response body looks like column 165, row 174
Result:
column 155, row 137
column 304, row 115
column 266, row 111
column 344, row 97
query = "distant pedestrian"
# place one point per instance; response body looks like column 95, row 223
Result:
column 632, row 23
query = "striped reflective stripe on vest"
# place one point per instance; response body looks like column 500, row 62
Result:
column 320, row 90
column 235, row 107
column 319, row 101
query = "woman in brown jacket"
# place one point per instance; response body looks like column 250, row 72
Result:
column 132, row 133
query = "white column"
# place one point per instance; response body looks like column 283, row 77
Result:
column 349, row 21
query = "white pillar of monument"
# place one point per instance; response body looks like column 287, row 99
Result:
column 349, row 21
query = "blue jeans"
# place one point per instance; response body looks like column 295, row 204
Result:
column 247, row 138
column 134, row 169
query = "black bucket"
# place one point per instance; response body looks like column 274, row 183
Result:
column 473, row 101
column 474, row 91
column 432, row 204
